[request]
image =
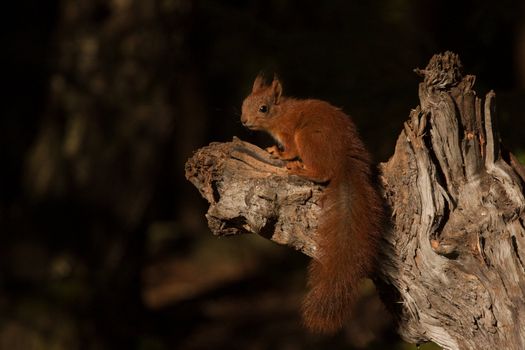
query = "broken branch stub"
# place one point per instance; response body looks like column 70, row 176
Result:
column 250, row 192
column 454, row 252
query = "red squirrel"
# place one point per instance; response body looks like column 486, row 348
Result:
column 320, row 142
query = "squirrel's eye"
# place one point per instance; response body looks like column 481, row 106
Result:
column 263, row 109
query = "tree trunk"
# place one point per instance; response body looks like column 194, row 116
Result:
column 451, row 268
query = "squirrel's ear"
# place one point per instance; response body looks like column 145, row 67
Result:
column 277, row 90
column 258, row 84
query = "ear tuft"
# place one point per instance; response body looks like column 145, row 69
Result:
column 259, row 83
column 277, row 89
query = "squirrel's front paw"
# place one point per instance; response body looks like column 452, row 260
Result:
column 274, row 151
column 295, row 166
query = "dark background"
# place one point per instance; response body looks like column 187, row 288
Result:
column 104, row 245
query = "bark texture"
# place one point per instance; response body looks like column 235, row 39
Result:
column 452, row 260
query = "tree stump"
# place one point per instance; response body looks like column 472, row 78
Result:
column 451, row 268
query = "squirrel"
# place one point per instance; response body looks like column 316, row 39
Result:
column 321, row 143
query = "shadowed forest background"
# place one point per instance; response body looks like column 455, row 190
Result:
column 104, row 245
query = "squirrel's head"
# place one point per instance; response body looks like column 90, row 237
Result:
column 262, row 104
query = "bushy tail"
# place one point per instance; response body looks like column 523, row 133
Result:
column 348, row 236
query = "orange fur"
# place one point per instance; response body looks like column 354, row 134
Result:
column 321, row 143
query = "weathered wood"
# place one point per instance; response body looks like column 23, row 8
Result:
column 451, row 268
column 249, row 192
